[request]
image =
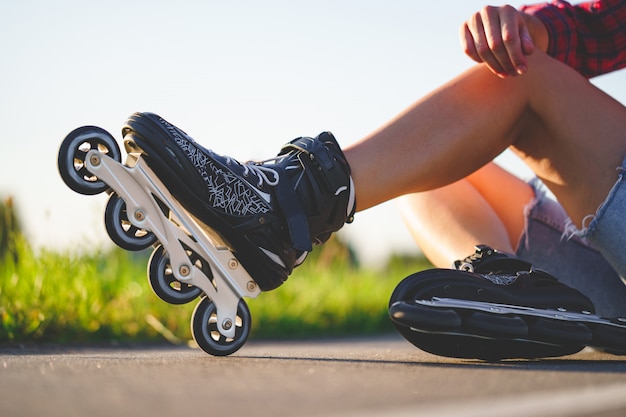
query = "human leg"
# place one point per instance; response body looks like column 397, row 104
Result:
column 447, row 223
column 551, row 117
column 459, row 128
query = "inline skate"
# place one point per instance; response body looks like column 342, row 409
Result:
column 222, row 230
column 494, row 306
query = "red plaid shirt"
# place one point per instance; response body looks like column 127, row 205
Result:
column 590, row 37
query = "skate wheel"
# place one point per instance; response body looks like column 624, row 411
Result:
column 611, row 339
column 121, row 231
column 558, row 331
column 423, row 317
column 163, row 282
column 72, row 155
column 486, row 349
column 206, row 333
column 494, row 324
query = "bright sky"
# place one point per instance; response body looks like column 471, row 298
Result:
column 242, row 77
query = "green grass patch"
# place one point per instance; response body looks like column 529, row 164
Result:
column 330, row 298
column 48, row 296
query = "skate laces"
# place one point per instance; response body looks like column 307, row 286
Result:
column 467, row 264
column 259, row 170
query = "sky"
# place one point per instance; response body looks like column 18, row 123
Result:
column 241, row 77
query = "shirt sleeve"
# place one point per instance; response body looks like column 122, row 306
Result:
column 590, row 37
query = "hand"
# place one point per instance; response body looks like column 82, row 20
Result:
column 498, row 37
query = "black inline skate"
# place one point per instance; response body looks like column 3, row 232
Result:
column 222, row 229
column 494, row 306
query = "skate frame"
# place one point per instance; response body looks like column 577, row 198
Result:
column 494, row 308
column 177, row 230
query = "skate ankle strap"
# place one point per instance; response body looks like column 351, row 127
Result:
column 323, row 155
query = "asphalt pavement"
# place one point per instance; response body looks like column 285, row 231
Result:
column 368, row 377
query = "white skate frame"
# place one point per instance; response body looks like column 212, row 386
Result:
column 141, row 190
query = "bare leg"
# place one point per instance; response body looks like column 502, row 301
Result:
column 448, row 222
column 570, row 134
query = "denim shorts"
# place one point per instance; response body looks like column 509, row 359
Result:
column 607, row 228
column 550, row 243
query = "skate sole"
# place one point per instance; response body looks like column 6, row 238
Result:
column 490, row 331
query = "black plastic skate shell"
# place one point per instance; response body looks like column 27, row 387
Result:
column 189, row 260
column 491, row 310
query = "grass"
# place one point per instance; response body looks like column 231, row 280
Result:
column 48, row 296
column 329, row 296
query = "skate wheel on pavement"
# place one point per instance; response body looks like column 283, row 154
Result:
column 205, row 328
column 73, row 153
column 610, row 338
column 163, row 282
column 121, row 231
column 408, row 314
column 466, row 346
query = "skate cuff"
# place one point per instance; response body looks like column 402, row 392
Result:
column 330, row 164
column 320, row 197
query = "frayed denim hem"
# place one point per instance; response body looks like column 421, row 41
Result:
column 590, row 221
column 571, row 230
column 558, row 222
column 606, row 230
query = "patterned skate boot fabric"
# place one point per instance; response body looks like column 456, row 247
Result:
column 270, row 212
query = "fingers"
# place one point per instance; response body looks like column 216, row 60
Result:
column 498, row 36
column 484, row 43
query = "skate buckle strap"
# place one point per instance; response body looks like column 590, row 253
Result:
column 293, row 210
column 322, row 158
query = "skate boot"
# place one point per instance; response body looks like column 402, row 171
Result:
column 269, row 212
column 494, row 306
column 221, row 230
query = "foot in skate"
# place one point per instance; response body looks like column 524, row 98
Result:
column 494, row 306
column 222, row 230
column 269, row 212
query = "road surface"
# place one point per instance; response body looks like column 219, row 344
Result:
column 368, row 377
